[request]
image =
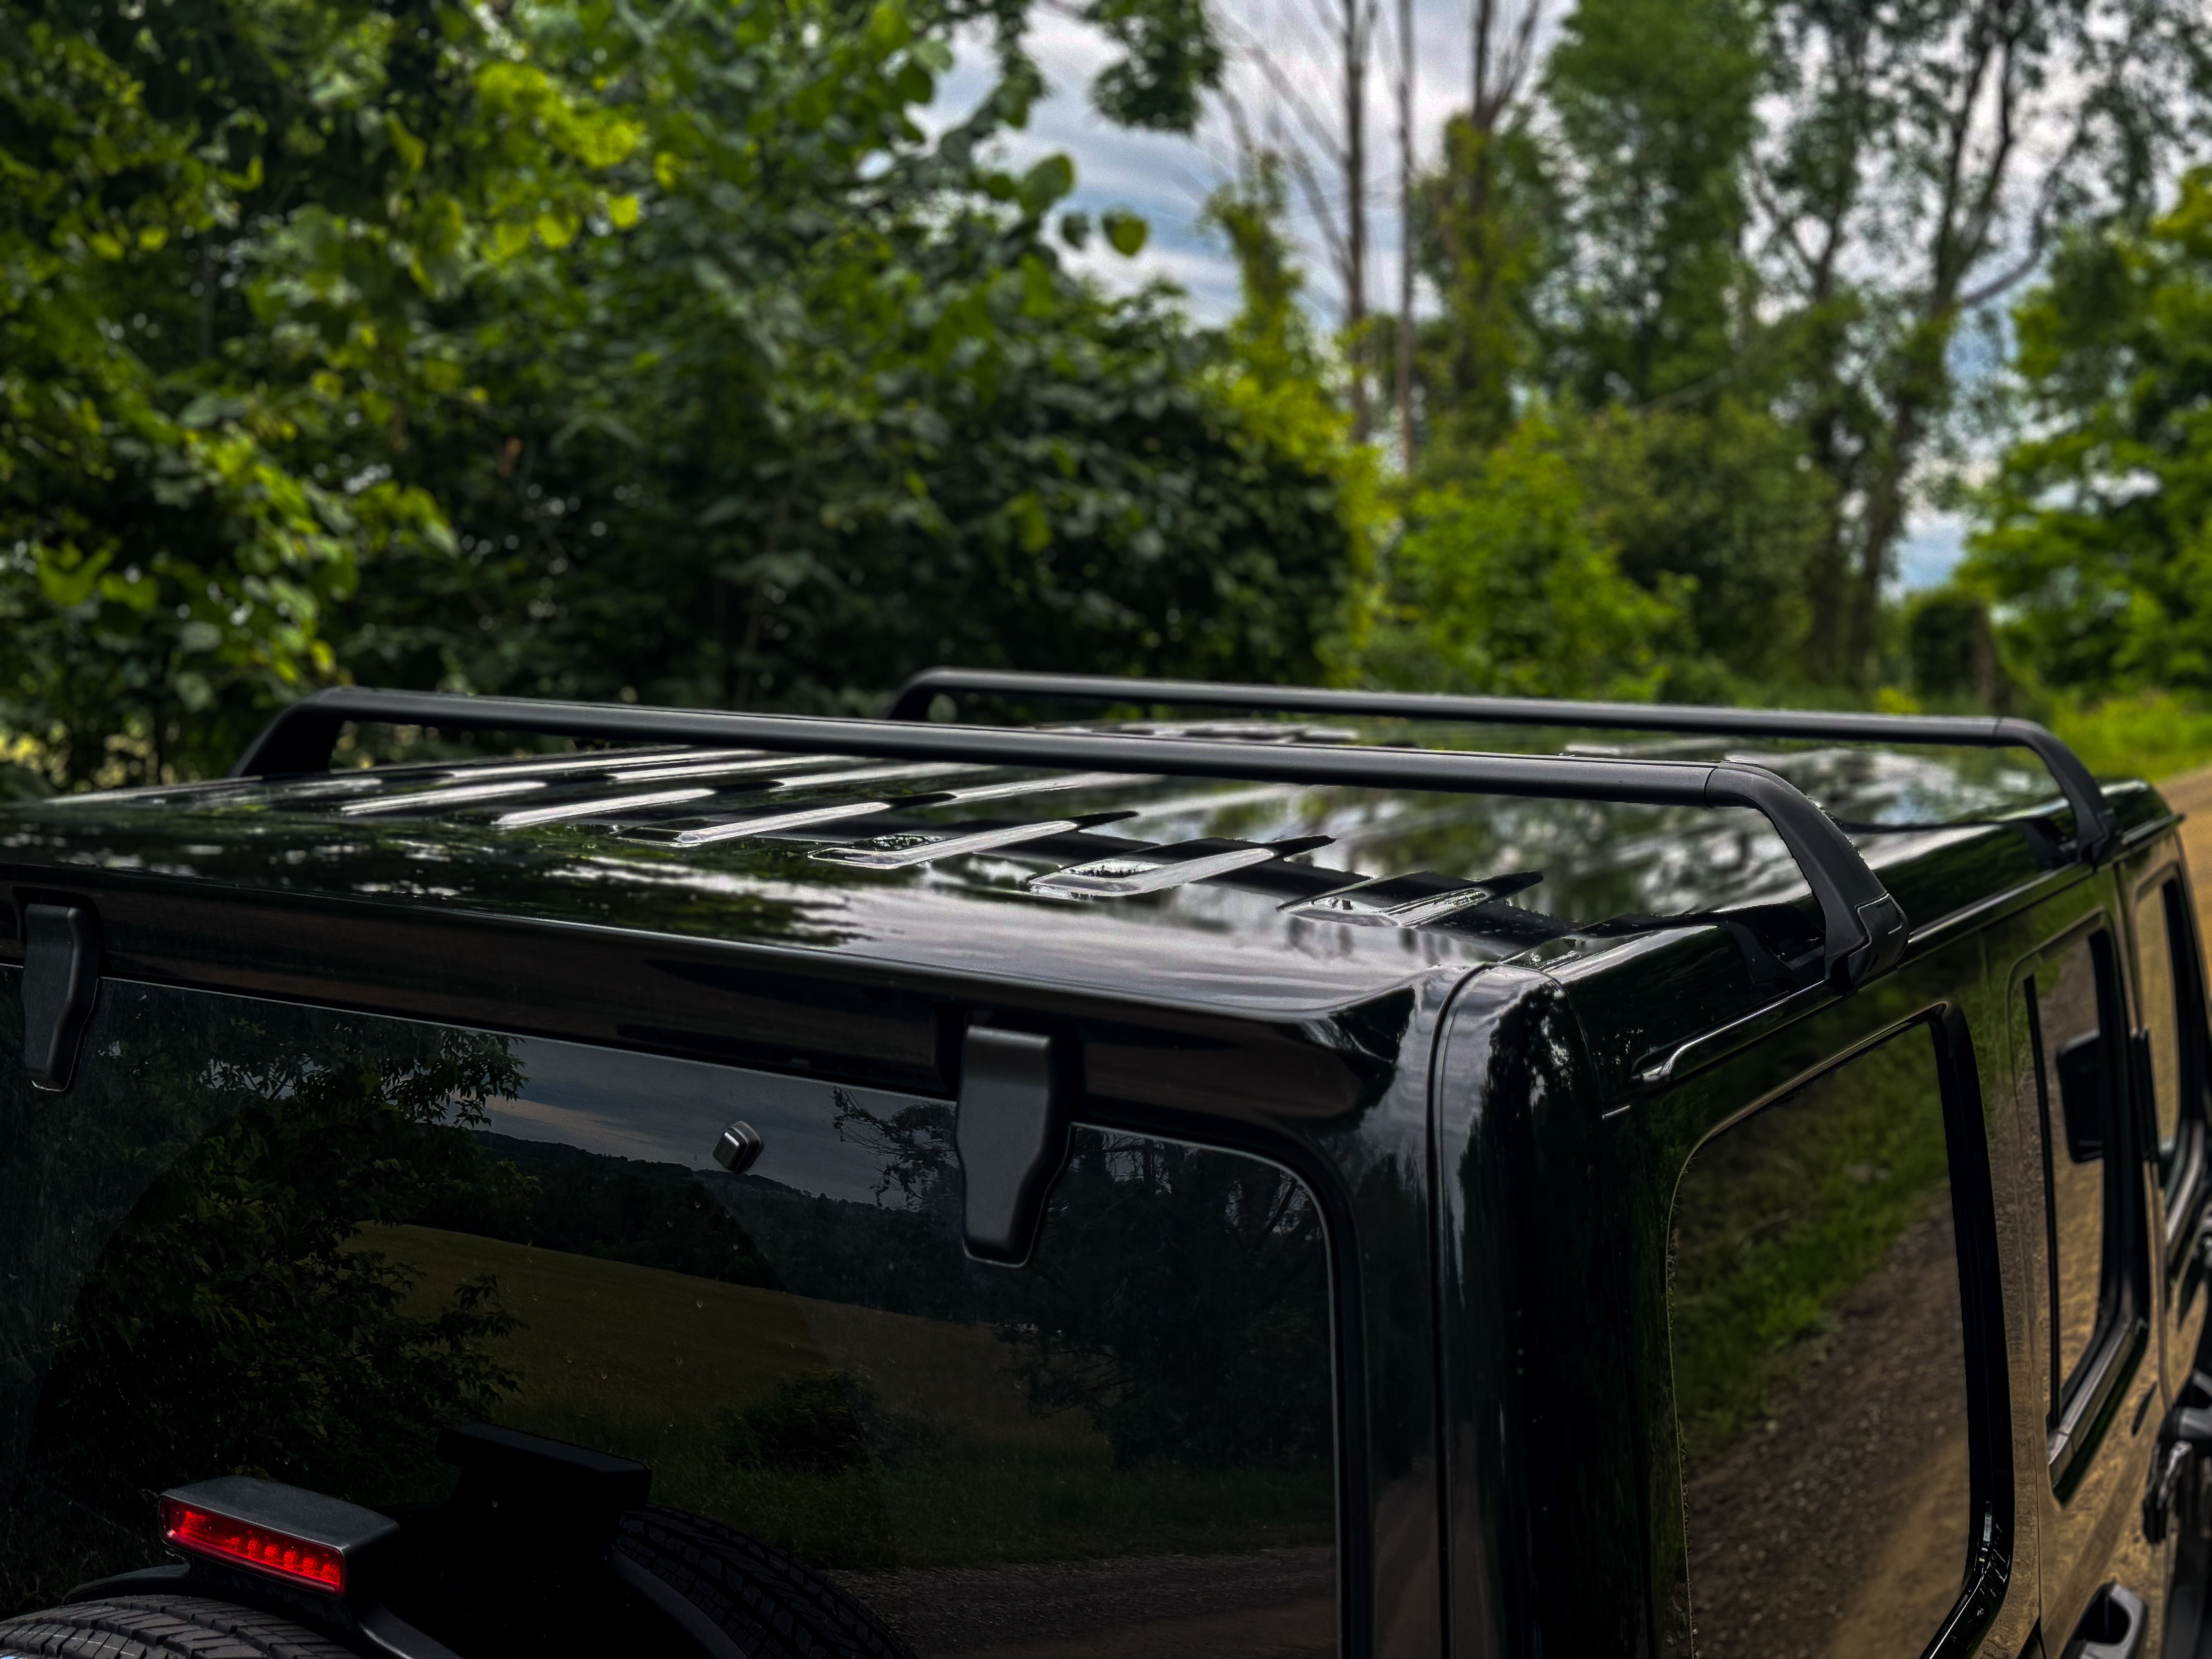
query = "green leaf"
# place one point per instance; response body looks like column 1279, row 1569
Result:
column 1046, row 182
column 1125, row 232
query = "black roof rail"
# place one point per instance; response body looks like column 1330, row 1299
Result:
column 2096, row 830
column 1863, row 928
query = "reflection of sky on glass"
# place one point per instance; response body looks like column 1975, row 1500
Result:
column 660, row 1110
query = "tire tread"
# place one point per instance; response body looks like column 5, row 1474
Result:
column 160, row 1627
column 754, row 1591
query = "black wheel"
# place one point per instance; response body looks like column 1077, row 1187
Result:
column 763, row 1599
column 160, row 1627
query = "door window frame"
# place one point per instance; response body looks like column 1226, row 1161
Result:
column 2082, row 1402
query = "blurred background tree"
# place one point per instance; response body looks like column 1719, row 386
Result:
column 598, row 350
column 656, row 352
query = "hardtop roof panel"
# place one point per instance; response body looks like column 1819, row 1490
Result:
column 1248, row 937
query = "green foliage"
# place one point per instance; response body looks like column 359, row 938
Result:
column 1654, row 101
column 1952, row 649
column 1501, row 583
column 599, row 350
column 2093, row 533
column 1172, row 56
column 222, row 231
column 577, row 348
column 1711, row 502
column 2149, row 734
column 1482, row 230
column 1662, row 542
column 1273, row 374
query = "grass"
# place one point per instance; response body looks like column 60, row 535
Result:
column 2153, row 735
column 648, row 1364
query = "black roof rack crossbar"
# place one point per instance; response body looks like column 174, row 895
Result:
column 2096, row 828
column 1863, row 928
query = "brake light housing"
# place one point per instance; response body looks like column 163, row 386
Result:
column 301, row 1538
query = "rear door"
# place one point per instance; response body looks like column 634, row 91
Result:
column 2168, row 1053
column 2096, row 1305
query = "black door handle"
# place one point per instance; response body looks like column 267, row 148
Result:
column 2112, row 1628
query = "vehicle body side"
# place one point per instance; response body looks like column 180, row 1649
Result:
column 1560, row 1143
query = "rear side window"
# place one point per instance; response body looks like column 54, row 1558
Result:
column 428, row 1271
column 1819, row 1367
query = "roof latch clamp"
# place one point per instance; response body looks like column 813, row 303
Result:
column 1012, row 1136
column 61, row 978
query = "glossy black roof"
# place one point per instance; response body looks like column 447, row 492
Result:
column 838, row 857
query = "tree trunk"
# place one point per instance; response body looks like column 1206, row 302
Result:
column 1920, row 390
column 1355, row 210
column 1405, row 236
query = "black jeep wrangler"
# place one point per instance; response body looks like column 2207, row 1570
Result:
column 1228, row 1171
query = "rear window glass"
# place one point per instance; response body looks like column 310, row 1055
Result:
column 320, row 1250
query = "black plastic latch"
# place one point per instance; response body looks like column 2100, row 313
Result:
column 1012, row 1136
column 61, row 978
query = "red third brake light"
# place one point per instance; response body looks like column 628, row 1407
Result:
column 224, row 1539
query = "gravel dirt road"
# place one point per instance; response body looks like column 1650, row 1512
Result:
column 2191, row 793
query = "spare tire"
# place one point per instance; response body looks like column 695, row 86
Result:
column 765, row 1600
column 162, row 1627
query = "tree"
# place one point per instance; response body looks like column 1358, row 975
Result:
column 219, row 234
column 335, row 330
column 1478, row 230
column 1309, row 76
column 2095, row 534
column 1481, row 232
column 1710, row 501
column 1924, row 159
column 809, row 426
column 1654, row 103
column 1500, row 583
column 1595, row 260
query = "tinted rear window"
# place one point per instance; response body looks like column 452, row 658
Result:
column 263, row 1240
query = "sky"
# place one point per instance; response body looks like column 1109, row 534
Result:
column 1166, row 178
